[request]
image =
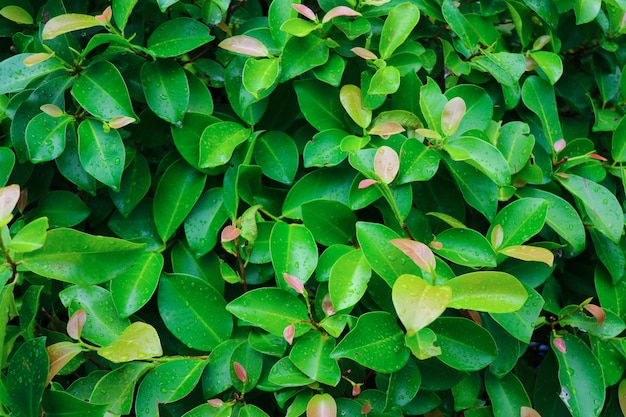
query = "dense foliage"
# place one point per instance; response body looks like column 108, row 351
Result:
column 341, row 207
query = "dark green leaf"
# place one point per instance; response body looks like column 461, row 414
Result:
column 204, row 222
column 62, row 404
column 135, row 184
column 277, row 154
column 331, row 222
column 62, row 208
column 311, row 355
column 293, row 252
column 45, row 137
column 101, row 153
column 348, row 280
column 178, row 36
column 15, row 76
column 465, row 247
column 132, row 289
column 507, row 394
column 26, row 377
column 320, row 104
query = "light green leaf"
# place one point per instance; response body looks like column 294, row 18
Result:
column 260, row 75
column 482, row 155
column 491, row 291
column 520, row 220
column 293, row 252
column 618, row 145
column 65, row 23
column 465, row 247
column 550, row 63
column 586, row 10
column 418, row 303
column 397, row 27
column 31, row 237
column 348, row 280
column 218, row 142
column 121, row 12
column 16, row 14
column 138, row 341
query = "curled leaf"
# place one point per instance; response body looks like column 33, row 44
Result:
column 65, row 23
column 245, row 45
column 418, row 252
column 366, row 183
column 386, row 129
column 76, row 323
column 305, row 11
column 339, row 11
column 321, row 405
column 597, row 157
column 386, row 164
column 289, row 333
column 356, row 390
column 559, row 343
column 230, row 233
column 294, row 283
column 240, row 371
column 597, row 312
column 51, row 110
column 34, row 59
column 364, row 53
column 452, row 115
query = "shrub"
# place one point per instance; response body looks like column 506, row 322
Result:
column 342, row 207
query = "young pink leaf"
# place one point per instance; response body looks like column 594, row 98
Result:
column 366, row 408
column 597, row 312
column 598, row 157
column 240, row 371
column 288, row 333
column 305, row 11
column 364, row 53
column 386, row 164
column 230, row 233
column 9, row 196
column 294, row 283
column 386, row 129
column 418, row 252
column 366, row 183
column 105, row 17
column 245, row 45
column 215, row 402
column 321, row 405
column 452, row 115
column 51, row 110
column 327, row 306
column 559, row 343
column 559, row 145
column 339, row 11
column 60, row 354
column 356, row 390
column 76, row 323
column 33, row 59
column 528, row 412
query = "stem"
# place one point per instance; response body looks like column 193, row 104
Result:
column 386, row 191
column 242, row 267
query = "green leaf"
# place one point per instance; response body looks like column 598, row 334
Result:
column 351, row 100
column 167, row 383
column 385, row 81
column 260, row 75
column 521, row 323
column 479, row 107
column 277, row 153
column 69, row 165
column 193, row 311
column 279, row 12
column 397, row 27
column 293, row 252
column 101, row 153
column 612, row 294
column 580, row 375
column 117, row 388
column 520, row 220
column 505, row 67
column 251, row 362
column 187, row 137
column 324, row 150
column 466, row 392
column 16, row 14
column 78, row 258
column 65, row 23
column 432, row 103
column 418, row 303
column 31, row 237
column 384, row 258
column 15, row 75
column 218, row 142
column 417, row 162
column 271, row 309
column 45, row 137
column 132, row 289
column 216, row 376
column 178, row 36
column 302, row 54
column 176, row 193
column 618, row 145
column 586, row 10
column 311, row 355
column 375, row 342
column 62, row 208
column 135, row 184
column 464, row 344
column 538, row 96
column 550, row 63
column 26, row 377
column 7, row 163
column 403, row 385
column 330, row 222
column 600, row 204
column 332, row 71
column 138, row 341
column 516, row 145
column 611, row 326
column 482, row 155
column 122, row 10
column 206, row 267
column 348, row 280
column 285, row 374
column 320, row 104
column 507, row 394
column 465, row 247
column 491, row 291
column 101, row 90
column 166, row 90
column 204, row 222
column 63, row 404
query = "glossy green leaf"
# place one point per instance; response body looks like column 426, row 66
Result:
column 166, row 90
column 293, row 251
column 375, row 342
column 464, row 344
column 505, row 67
column 101, row 153
column 45, row 137
column 618, row 145
column 63, row 404
column 397, row 28
column 200, row 98
column 507, row 394
column 285, row 374
column 491, row 291
column 465, row 247
column 385, row 81
column 216, row 376
column 311, row 355
column 204, row 222
column 417, row 162
column 178, row 36
column 385, row 259
column 550, row 63
column 277, row 153
column 580, row 374
column 26, row 377
column 132, row 289
column 76, row 257
column 520, row 220
column 612, row 294
column 320, row 104
column 31, row 237
column 15, row 75
column 176, row 194
column 600, row 204
column 521, row 323
column 330, row 222
column 516, row 145
column 122, row 10
column 302, row 54
column 271, row 309
column 16, row 14
column 351, row 100
column 611, row 326
column 167, row 383
column 218, row 142
column 586, row 11
column 193, row 311
column 103, row 324
column 538, row 96
column 7, row 162
column 137, row 342
column 117, row 388
column 418, row 303
column 136, row 181
column 101, row 90
column 64, row 23
column 62, row 208
column 348, row 280
column 403, row 385
column 187, row 137
column 245, row 358
column 260, row 75
column 69, row 165
column 482, row 155
column 324, row 149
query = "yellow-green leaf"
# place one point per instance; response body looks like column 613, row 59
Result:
column 418, row 303
column 65, row 23
column 16, row 14
column 138, row 341
column 529, row 253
